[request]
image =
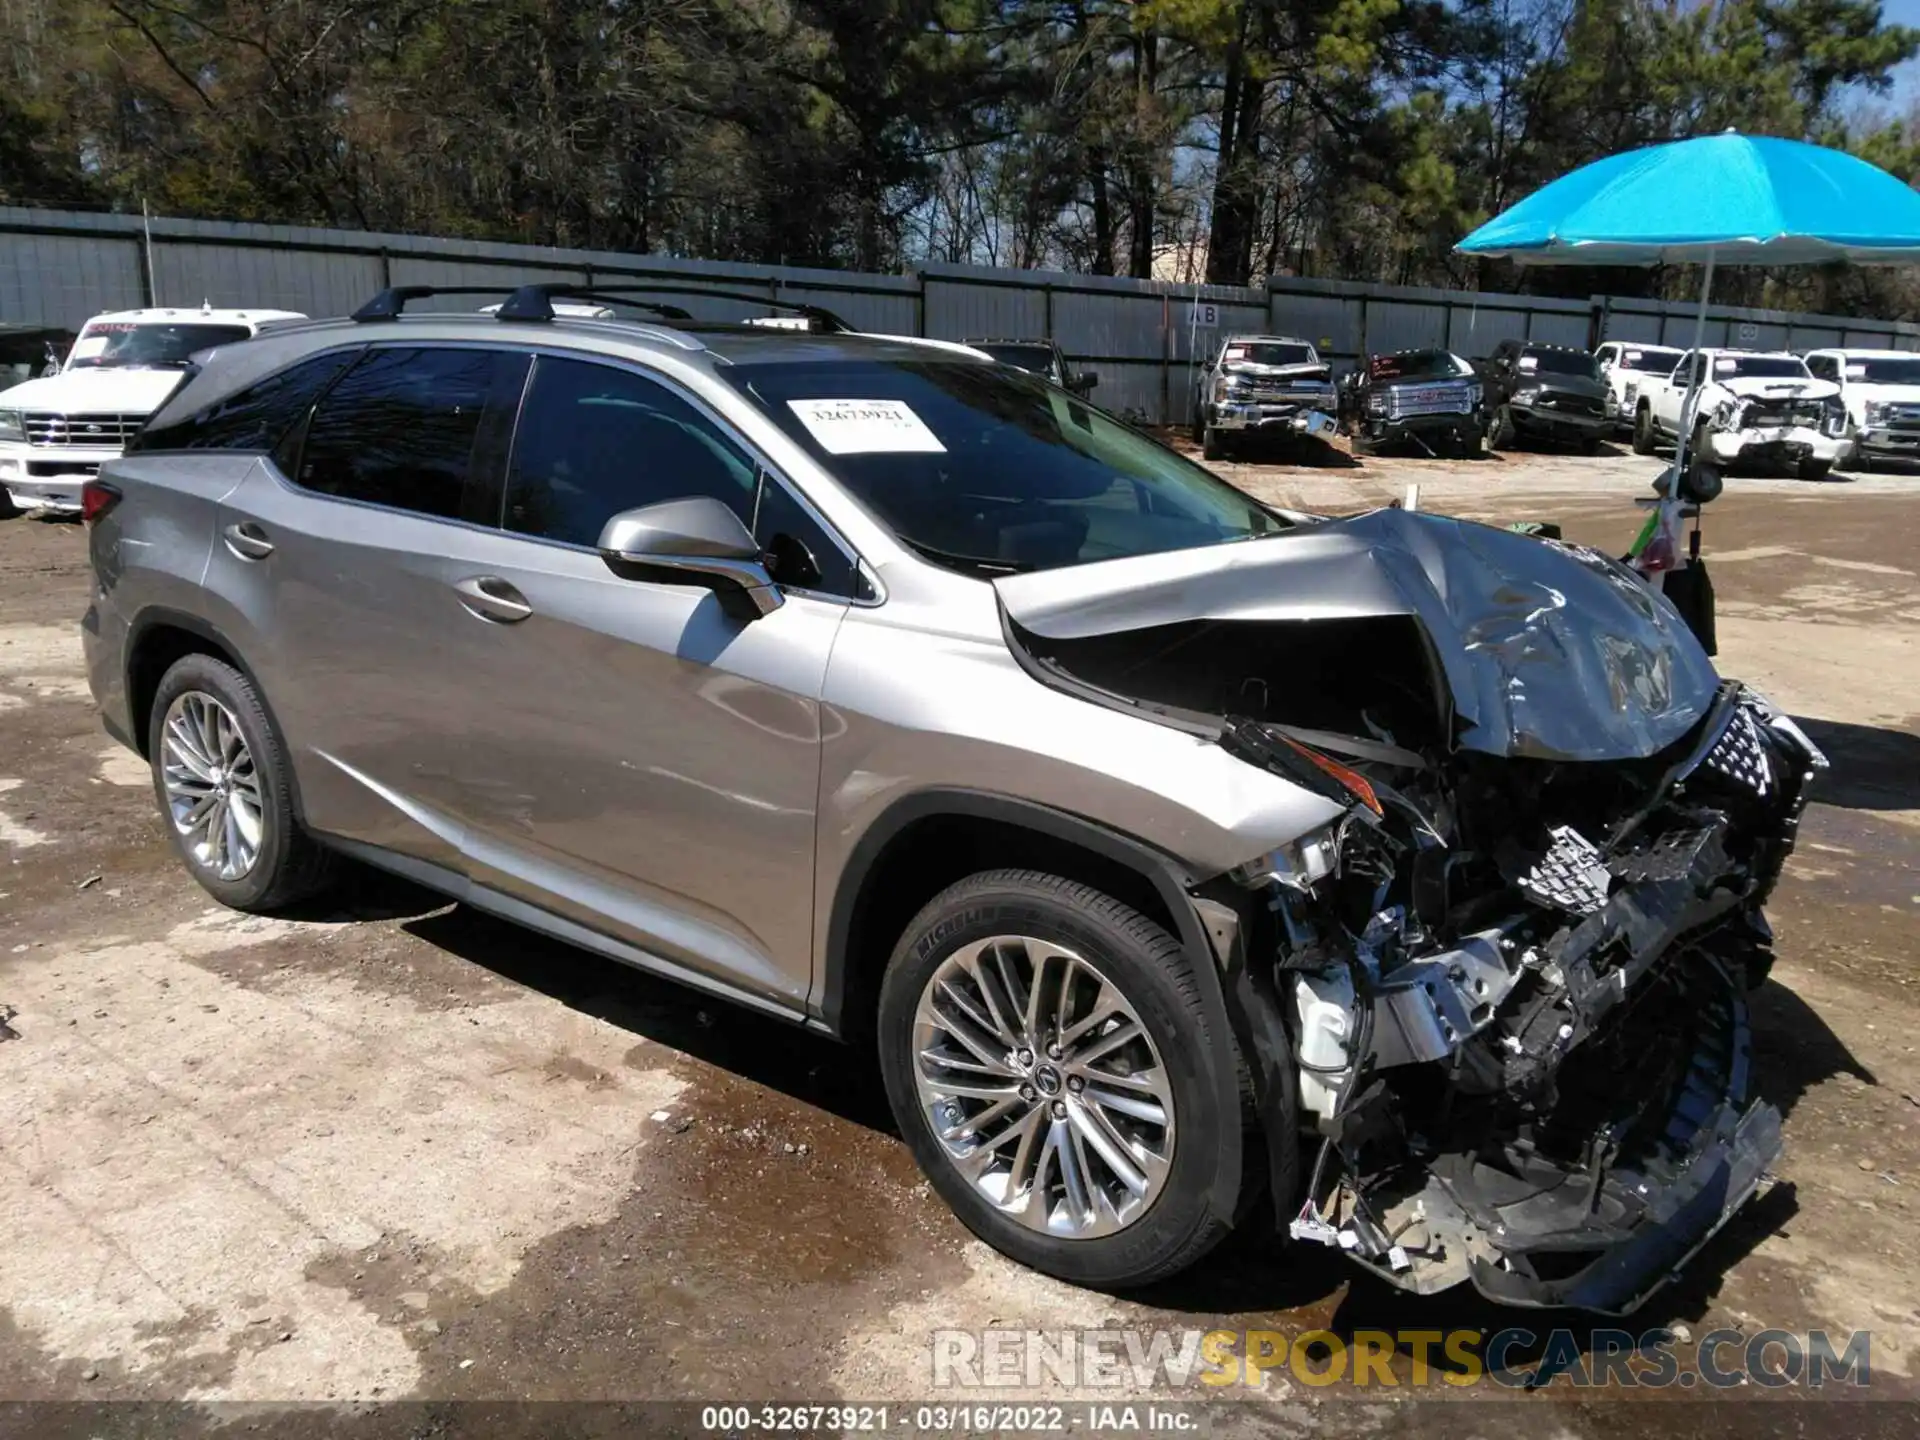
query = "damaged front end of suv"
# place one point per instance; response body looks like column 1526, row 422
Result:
column 1502, row 994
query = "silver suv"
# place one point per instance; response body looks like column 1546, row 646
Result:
column 1171, row 850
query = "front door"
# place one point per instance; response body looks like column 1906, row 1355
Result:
column 634, row 758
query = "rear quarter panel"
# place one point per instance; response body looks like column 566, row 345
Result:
column 149, row 556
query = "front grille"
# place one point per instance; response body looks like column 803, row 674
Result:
column 1282, row 390
column 1428, row 400
column 1782, row 413
column 44, row 428
column 1572, row 404
column 1741, row 755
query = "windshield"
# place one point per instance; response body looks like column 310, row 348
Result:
column 1249, row 352
column 1765, row 366
column 1037, row 358
column 124, row 343
column 1418, row 365
column 993, row 472
column 1903, row 371
column 1650, row 358
column 1559, row 362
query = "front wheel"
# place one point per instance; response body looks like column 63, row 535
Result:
column 1061, row 1079
column 225, row 789
column 1212, row 445
column 1643, row 431
column 1812, row 469
column 1504, row 430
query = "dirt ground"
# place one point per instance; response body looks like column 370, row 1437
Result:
column 397, row 1149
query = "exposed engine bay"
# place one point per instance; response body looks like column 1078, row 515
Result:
column 1502, row 995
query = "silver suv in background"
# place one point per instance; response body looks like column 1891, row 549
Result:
column 1171, row 849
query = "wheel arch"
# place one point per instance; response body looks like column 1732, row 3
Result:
column 157, row 639
column 925, row 841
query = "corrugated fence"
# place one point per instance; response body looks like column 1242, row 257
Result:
column 1141, row 336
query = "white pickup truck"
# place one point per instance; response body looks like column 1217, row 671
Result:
column 1753, row 408
column 56, row 432
column 1880, row 391
column 1623, row 366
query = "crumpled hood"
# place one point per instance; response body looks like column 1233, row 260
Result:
column 108, row 390
column 1303, row 370
column 1763, row 387
column 1550, row 651
column 1562, row 384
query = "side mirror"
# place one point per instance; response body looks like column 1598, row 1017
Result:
column 1085, row 382
column 1207, row 364
column 696, row 541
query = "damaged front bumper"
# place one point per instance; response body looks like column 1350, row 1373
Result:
column 1272, row 417
column 1552, row 1102
column 1774, row 443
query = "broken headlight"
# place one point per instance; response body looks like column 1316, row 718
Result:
column 1297, row 864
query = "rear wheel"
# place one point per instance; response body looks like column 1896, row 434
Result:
column 1643, row 431
column 225, row 790
column 1056, row 1071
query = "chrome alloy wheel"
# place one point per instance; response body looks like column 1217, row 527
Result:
column 213, row 789
column 1042, row 1086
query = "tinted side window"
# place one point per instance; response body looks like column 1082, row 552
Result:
column 399, row 429
column 251, row 419
column 594, row 440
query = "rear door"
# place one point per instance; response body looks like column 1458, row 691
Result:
column 630, row 756
column 347, row 551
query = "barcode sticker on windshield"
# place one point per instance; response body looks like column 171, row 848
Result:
column 866, row 427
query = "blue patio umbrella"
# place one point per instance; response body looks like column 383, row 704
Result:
column 1719, row 199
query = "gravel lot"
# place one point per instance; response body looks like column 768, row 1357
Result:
column 394, row 1148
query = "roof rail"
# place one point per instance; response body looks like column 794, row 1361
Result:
column 535, row 302
column 392, row 301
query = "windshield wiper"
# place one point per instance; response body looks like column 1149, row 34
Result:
column 977, row 563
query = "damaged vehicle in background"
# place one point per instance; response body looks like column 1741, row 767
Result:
column 1539, row 392
column 1172, row 849
column 1750, row 409
column 1427, row 398
column 1271, row 385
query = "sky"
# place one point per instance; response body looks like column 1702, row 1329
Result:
column 1906, row 78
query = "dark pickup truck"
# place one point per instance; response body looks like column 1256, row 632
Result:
column 1428, row 398
column 1544, row 392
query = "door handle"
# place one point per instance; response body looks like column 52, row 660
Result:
column 248, row 541
column 492, row 598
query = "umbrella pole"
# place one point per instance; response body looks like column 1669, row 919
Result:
column 1693, row 377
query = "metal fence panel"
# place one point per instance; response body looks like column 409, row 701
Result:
column 1552, row 327
column 1331, row 322
column 963, row 310
column 232, row 277
column 1632, row 325
column 1201, row 341
column 64, row 280
column 1403, row 325
column 1473, row 330
column 1110, row 326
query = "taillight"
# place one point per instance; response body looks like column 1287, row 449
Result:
column 97, row 498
